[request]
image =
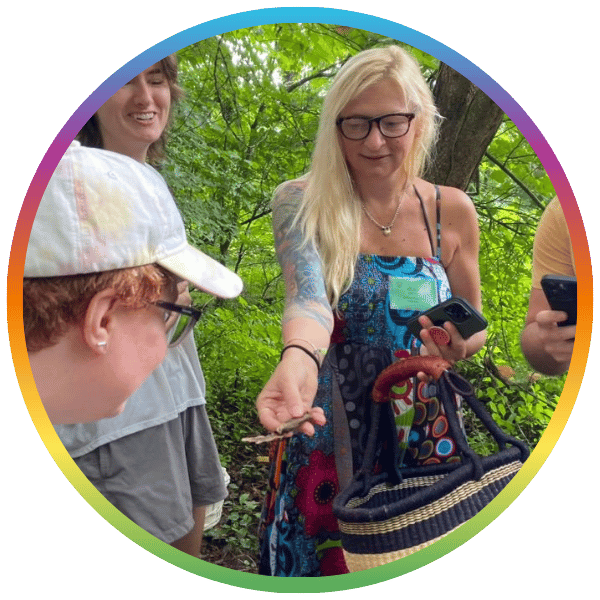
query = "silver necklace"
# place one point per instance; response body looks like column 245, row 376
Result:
column 385, row 229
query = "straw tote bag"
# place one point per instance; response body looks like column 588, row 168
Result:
column 387, row 515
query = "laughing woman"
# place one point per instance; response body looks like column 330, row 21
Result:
column 156, row 462
column 365, row 244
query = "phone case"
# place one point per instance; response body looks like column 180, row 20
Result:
column 467, row 319
column 561, row 293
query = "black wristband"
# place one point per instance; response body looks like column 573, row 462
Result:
column 305, row 350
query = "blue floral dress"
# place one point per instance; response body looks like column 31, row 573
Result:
column 298, row 533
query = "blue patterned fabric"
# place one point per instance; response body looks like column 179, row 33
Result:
column 366, row 315
column 299, row 534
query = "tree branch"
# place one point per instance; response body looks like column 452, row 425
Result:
column 321, row 73
column 255, row 217
column 510, row 174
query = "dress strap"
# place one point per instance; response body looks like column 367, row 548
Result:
column 436, row 249
column 438, row 223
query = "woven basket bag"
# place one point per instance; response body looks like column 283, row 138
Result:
column 385, row 516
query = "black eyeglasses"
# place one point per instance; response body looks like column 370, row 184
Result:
column 391, row 126
column 188, row 317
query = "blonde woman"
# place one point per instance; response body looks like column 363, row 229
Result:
column 365, row 244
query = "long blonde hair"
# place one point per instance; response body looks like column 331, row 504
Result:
column 330, row 212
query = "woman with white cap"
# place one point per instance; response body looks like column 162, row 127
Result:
column 106, row 252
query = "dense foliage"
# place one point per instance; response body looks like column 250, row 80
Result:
column 246, row 124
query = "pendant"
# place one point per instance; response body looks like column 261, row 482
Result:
column 386, row 230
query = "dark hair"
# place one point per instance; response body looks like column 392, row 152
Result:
column 90, row 133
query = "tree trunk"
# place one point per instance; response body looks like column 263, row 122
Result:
column 471, row 120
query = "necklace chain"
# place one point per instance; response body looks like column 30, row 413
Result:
column 385, row 229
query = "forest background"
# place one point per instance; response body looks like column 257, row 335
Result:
column 246, row 124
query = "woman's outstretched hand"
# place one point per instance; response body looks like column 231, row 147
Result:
column 290, row 393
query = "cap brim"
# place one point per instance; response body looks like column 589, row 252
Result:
column 203, row 272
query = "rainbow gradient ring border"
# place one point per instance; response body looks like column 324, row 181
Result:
column 232, row 23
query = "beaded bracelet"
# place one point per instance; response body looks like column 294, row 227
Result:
column 308, row 352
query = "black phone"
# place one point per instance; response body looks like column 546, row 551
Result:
column 466, row 318
column 561, row 293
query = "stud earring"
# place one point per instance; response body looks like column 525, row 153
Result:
column 101, row 344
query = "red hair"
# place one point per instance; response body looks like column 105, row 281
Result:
column 53, row 304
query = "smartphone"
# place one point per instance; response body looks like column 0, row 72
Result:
column 561, row 293
column 465, row 317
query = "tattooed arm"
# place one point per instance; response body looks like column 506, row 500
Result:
column 306, row 297
column 307, row 320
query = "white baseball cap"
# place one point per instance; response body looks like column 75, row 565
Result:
column 103, row 211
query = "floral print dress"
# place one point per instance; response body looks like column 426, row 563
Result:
column 298, row 533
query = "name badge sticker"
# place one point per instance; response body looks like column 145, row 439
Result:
column 411, row 293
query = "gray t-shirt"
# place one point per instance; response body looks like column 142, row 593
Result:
column 174, row 386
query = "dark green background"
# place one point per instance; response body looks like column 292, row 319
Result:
column 55, row 55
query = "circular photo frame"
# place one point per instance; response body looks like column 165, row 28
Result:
column 425, row 46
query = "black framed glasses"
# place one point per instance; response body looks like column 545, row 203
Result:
column 187, row 317
column 394, row 125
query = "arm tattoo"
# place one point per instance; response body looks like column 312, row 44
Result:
column 306, row 296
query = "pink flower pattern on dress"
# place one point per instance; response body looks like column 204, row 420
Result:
column 318, row 485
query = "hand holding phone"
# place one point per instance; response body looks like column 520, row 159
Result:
column 561, row 293
column 461, row 313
